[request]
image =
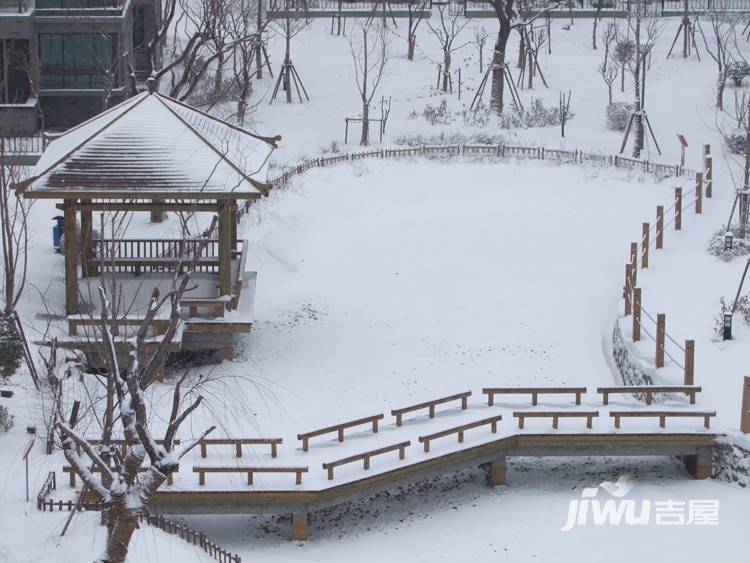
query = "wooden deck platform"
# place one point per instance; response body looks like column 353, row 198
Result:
column 697, row 449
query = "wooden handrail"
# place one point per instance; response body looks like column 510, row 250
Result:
column 305, row 437
column 201, row 471
column 663, row 415
column 533, row 391
column 648, row 391
column 464, row 397
column 493, row 420
column 238, row 443
column 365, row 457
column 555, row 416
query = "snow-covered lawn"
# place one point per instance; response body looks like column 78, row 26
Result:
column 385, row 283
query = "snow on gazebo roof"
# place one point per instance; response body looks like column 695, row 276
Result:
column 152, row 146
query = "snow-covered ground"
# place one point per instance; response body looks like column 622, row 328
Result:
column 385, row 283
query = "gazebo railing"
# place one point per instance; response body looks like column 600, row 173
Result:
column 154, row 255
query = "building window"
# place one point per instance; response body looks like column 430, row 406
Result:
column 76, row 60
column 14, row 69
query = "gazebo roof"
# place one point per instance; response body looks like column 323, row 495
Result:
column 152, row 146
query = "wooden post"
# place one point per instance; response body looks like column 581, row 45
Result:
column 636, row 314
column 708, row 165
column 698, row 193
column 628, row 290
column 661, row 321
column 644, row 245
column 225, row 248
column 634, row 255
column 87, row 249
column 745, row 415
column 234, row 218
column 71, row 258
column 659, row 226
column 300, row 529
column 678, row 209
column 498, row 470
column 689, row 362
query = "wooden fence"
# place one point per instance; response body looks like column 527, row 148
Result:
column 191, row 536
column 653, row 235
column 490, row 150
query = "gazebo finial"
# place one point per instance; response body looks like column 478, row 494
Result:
column 151, row 84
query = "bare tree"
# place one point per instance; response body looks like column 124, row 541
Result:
column 199, row 42
column 294, row 21
column 14, row 212
column 446, row 33
column 122, row 492
column 509, row 17
column 598, row 5
column 723, row 26
column 417, row 10
column 369, row 50
column 480, row 39
column 645, row 26
column 608, row 69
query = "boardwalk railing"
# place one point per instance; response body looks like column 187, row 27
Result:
column 430, row 405
column 366, row 456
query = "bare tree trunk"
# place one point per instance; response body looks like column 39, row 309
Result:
column 365, row 138
column 521, row 49
column 498, row 79
column 219, row 74
column 412, row 44
column 446, row 69
column 609, row 92
column 721, row 83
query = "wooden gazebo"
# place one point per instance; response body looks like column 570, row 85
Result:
column 152, row 153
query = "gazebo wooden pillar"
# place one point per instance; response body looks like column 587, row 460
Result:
column 87, row 241
column 71, row 257
column 227, row 231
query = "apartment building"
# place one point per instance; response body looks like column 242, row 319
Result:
column 63, row 61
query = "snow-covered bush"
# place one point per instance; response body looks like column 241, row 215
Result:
column 475, row 138
column 735, row 141
column 6, row 419
column 11, row 347
column 740, row 247
column 736, row 71
column 618, row 115
column 435, row 115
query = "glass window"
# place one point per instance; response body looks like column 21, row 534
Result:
column 75, row 60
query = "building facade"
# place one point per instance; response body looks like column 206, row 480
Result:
column 63, row 61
